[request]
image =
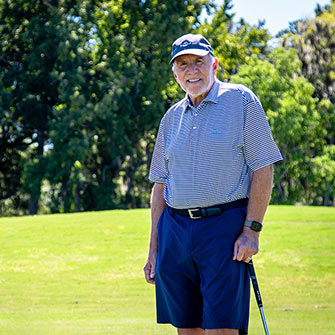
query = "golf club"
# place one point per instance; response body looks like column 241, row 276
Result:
column 257, row 294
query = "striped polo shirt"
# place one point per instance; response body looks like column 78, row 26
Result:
column 205, row 155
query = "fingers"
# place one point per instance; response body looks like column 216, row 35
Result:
column 149, row 272
column 244, row 248
column 149, row 268
column 240, row 252
column 236, row 250
column 243, row 253
column 152, row 275
column 247, row 260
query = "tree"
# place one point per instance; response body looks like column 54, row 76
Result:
column 292, row 112
column 129, row 75
column 234, row 43
column 323, row 170
column 82, row 94
column 31, row 33
column 315, row 43
column 110, row 104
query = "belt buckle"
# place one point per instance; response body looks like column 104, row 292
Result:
column 192, row 216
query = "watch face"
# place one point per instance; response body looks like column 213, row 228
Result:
column 256, row 226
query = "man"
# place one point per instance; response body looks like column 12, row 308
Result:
column 212, row 169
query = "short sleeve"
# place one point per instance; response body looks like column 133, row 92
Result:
column 158, row 169
column 259, row 146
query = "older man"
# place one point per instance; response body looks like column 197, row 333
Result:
column 212, row 169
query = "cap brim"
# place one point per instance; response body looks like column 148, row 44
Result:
column 197, row 52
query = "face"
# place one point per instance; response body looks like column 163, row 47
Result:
column 195, row 75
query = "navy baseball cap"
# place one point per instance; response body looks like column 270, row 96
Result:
column 190, row 44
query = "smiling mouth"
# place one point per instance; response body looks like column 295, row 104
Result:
column 193, row 80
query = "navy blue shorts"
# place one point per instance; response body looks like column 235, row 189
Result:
column 197, row 282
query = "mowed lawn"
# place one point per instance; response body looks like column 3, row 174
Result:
column 82, row 274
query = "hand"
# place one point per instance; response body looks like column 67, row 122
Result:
column 149, row 268
column 246, row 245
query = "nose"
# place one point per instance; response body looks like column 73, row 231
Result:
column 193, row 68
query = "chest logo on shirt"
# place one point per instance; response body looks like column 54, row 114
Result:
column 215, row 131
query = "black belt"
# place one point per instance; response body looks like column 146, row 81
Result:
column 198, row 213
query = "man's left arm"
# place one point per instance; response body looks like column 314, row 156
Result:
column 246, row 244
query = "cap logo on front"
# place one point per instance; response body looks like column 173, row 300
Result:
column 185, row 44
column 193, row 44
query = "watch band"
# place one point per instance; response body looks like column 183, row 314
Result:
column 254, row 225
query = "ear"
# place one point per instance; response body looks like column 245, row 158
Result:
column 215, row 64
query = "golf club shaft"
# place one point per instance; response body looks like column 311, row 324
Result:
column 257, row 294
column 264, row 321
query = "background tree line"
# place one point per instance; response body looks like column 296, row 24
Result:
column 83, row 85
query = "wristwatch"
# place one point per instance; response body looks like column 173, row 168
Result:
column 254, row 225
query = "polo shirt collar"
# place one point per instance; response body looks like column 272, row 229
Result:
column 212, row 96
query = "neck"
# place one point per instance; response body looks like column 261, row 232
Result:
column 196, row 100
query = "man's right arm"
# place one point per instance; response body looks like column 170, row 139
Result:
column 158, row 205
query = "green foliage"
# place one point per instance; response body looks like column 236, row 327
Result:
column 323, row 170
column 83, row 85
column 233, row 44
column 82, row 95
column 123, row 96
column 287, row 99
column 316, row 46
column 314, row 41
column 33, row 36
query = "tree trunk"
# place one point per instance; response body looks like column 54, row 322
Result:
column 66, row 194
column 33, row 204
column 77, row 198
column 35, row 190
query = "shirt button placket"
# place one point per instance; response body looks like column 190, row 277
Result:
column 194, row 133
column 195, row 124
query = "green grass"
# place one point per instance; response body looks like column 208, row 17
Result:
column 82, row 274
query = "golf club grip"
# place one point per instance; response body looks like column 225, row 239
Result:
column 255, row 284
